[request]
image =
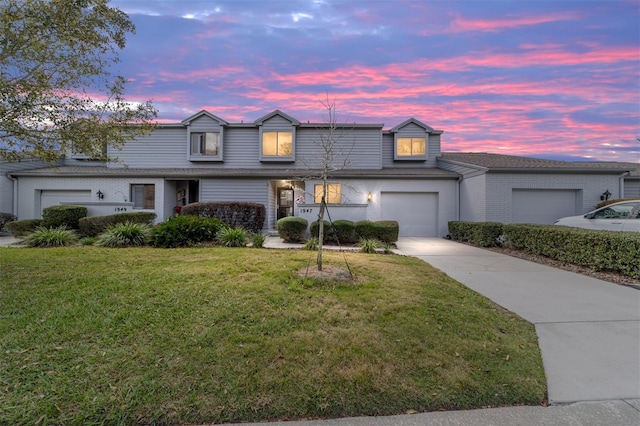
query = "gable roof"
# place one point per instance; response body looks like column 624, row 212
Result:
column 261, row 120
column 419, row 123
column 512, row 163
column 206, row 113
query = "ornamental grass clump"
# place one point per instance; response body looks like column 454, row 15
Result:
column 257, row 240
column 126, row 234
column 51, row 237
column 232, row 237
column 368, row 245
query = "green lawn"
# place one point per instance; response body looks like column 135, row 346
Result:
column 124, row 336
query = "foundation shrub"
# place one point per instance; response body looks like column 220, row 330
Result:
column 249, row 216
column 184, row 231
column 6, row 218
column 607, row 202
column 387, row 231
column 19, row 228
column 345, row 231
column 329, row 234
column 95, row 225
column 365, row 229
column 292, row 229
column 68, row 216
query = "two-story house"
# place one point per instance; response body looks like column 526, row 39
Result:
column 377, row 174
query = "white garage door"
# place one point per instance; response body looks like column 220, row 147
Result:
column 416, row 212
column 542, row 205
column 53, row 197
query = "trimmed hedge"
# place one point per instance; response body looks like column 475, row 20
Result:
column 18, row 228
column 598, row 250
column 365, row 229
column 383, row 230
column 292, row 229
column 250, row 216
column 482, row 234
column 388, row 231
column 329, row 234
column 184, row 231
column 6, row 218
column 94, row 225
column 69, row 216
column 345, row 231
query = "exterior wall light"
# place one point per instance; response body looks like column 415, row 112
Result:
column 369, row 197
column 605, row 195
column 100, row 195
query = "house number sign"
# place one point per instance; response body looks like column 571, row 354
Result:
column 120, row 209
column 306, row 210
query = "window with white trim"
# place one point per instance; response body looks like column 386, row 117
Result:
column 143, row 196
column 333, row 195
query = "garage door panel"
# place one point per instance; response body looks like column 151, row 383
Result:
column 416, row 212
column 543, row 206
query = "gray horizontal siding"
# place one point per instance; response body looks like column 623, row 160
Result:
column 360, row 147
column 247, row 190
column 204, row 124
column 164, row 147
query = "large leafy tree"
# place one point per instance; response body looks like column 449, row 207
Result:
column 57, row 91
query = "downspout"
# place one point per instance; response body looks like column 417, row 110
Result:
column 14, row 207
column 458, row 197
column 621, row 184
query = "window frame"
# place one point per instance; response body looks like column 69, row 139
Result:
column 317, row 196
column 276, row 157
column 147, row 190
column 199, row 156
column 411, row 156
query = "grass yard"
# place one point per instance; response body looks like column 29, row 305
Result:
column 125, row 336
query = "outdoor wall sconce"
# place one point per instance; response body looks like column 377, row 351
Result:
column 369, row 197
column 100, row 195
column 605, row 195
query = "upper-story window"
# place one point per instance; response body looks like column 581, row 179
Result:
column 205, row 144
column 277, row 144
column 410, row 147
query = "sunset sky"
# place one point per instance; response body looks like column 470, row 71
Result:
column 554, row 79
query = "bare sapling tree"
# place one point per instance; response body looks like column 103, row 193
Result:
column 334, row 152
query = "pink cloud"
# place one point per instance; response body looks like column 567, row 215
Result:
column 459, row 24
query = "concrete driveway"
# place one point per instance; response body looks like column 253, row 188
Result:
column 588, row 330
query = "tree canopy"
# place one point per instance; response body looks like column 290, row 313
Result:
column 57, row 91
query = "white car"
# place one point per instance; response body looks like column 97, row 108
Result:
column 622, row 216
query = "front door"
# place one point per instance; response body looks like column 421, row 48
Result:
column 285, row 202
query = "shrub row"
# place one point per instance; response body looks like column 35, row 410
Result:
column 293, row 229
column 94, row 225
column 249, row 216
column 482, row 234
column 598, row 250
